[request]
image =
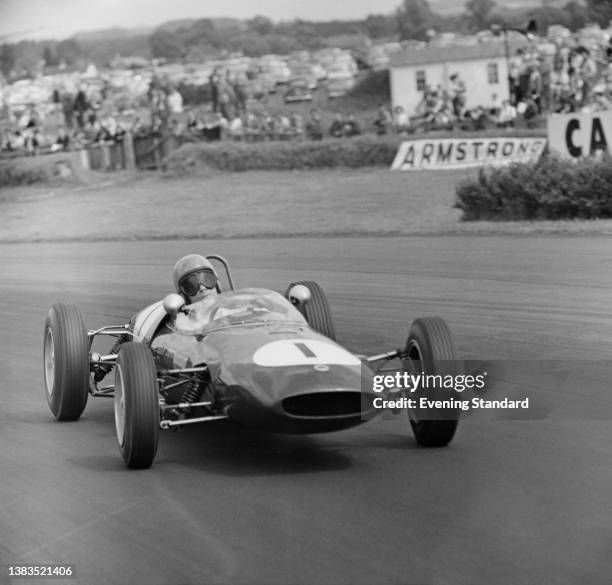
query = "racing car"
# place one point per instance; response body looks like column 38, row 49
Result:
column 259, row 358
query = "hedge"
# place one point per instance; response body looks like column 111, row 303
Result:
column 367, row 150
column 551, row 188
column 13, row 174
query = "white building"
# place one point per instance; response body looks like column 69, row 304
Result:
column 483, row 67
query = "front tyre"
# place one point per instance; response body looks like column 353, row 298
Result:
column 136, row 405
column 66, row 362
column 430, row 350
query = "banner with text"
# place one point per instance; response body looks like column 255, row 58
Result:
column 458, row 153
column 578, row 135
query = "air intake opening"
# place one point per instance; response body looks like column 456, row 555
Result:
column 325, row 404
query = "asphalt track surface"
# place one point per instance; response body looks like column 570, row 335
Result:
column 509, row 502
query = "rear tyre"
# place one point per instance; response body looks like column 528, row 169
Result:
column 430, row 350
column 136, row 405
column 66, row 362
column 316, row 311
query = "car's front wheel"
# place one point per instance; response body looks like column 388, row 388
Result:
column 430, row 352
column 316, row 311
column 136, row 405
column 66, row 362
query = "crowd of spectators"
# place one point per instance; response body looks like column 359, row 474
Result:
column 543, row 78
column 564, row 78
column 77, row 121
column 258, row 126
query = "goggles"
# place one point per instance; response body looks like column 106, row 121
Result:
column 190, row 284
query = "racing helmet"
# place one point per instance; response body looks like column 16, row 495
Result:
column 191, row 272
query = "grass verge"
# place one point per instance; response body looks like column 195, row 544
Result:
column 373, row 202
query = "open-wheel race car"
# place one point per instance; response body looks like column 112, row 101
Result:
column 261, row 359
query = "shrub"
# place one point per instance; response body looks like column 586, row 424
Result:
column 362, row 151
column 12, row 175
column 551, row 188
column 284, row 155
column 46, row 168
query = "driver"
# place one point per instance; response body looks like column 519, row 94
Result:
column 195, row 278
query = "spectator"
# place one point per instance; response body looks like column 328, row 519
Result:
column 601, row 103
column 530, row 110
column 282, row 126
column 478, row 118
column 336, row 128
column 496, row 106
column 351, row 126
column 175, row 102
column 535, row 87
column 546, row 83
column 226, row 99
column 68, row 109
column 506, row 116
column 235, row 128
column 515, row 66
column 240, row 92
column 80, row 106
column 192, row 123
column 314, row 128
column 176, row 128
column 297, row 125
column 383, row 120
column 401, row 123
column 214, row 80
column 457, row 94
column 62, row 142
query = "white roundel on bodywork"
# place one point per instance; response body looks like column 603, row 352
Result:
column 299, row 352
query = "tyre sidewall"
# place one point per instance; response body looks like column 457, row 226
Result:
column 136, row 367
column 433, row 339
column 71, row 362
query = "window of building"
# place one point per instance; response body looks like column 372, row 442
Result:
column 420, row 80
column 493, row 74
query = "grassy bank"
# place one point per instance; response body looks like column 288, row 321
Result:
column 256, row 203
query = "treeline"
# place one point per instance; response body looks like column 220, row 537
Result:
column 198, row 40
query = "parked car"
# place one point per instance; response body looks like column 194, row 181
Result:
column 298, row 91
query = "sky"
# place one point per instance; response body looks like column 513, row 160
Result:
column 61, row 18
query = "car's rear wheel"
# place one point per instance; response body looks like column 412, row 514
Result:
column 430, row 350
column 136, row 405
column 316, row 311
column 66, row 362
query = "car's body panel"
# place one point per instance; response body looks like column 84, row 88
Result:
column 258, row 363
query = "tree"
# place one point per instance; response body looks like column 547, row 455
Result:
column 28, row 57
column 201, row 33
column 49, row 57
column 7, row 59
column 478, row 13
column 600, row 11
column 167, row 44
column 414, row 19
column 68, row 51
column 378, row 25
column 577, row 15
column 261, row 25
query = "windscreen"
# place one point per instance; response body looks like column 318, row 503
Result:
column 242, row 307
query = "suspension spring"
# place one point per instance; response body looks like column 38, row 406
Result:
column 192, row 393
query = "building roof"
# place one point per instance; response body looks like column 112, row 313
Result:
column 435, row 54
